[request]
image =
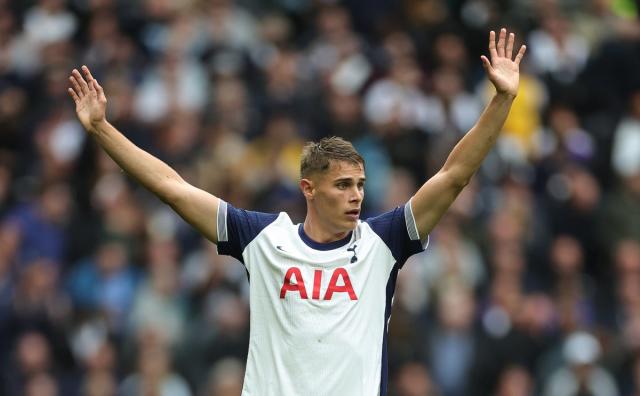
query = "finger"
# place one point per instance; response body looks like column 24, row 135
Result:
column 501, row 41
column 492, row 44
column 98, row 88
column 75, row 97
column 83, row 84
column 509, row 53
column 89, row 77
column 76, row 86
column 486, row 64
column 520, row 54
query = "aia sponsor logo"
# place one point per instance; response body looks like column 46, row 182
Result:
column 338, row 283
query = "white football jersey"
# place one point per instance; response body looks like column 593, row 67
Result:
column 319, row 311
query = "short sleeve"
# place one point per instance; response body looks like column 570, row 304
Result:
column 238, row 227
column 397, row 228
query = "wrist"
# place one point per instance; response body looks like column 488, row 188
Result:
column 505, row 96
column 98, row 126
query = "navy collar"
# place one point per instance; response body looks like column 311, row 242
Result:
column 322, row 246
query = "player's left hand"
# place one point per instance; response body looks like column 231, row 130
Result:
column 502, row 70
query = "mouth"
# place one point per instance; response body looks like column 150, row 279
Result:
column 353, row 214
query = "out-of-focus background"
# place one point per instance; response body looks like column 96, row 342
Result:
column 531, row 283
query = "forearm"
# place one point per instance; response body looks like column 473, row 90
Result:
column 471, row 150
column 148, row 170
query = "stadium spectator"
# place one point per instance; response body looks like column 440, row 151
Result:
column 581, row 374
column 105, row 283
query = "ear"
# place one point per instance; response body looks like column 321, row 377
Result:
column 307, row 188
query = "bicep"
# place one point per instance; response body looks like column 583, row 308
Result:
column 432, row 200
column 198, row 208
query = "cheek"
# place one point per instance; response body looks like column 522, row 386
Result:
column 333, row 201
column 330, row 202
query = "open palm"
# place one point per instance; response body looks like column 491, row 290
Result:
column 89, row 98
column 502, row 71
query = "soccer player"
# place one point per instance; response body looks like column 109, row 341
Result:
column 320, row 291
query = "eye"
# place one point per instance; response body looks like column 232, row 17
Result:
column 361, row 186
column 342, row 186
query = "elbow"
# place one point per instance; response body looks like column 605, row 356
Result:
column 457, row 180
column 170, row 192
column 166, row 199
column 461, row 183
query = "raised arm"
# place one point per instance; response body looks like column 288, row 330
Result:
column 434, row 198
column 196, row 206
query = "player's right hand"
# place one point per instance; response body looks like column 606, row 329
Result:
column 89, row 98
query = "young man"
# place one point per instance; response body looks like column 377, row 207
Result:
column 320, row 291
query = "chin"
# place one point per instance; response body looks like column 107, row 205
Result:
column 345, row 227
column 351, row 224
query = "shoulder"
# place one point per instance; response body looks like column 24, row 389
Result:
column 398, row 217
column 237, row 228
column 397, row 229
column 233, row 220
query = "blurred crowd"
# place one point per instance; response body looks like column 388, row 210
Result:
column 530, row 285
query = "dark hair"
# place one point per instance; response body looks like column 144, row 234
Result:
column 317, row 156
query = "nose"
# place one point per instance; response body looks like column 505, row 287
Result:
column 357, row 195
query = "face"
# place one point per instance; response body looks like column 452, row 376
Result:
column 336, row 196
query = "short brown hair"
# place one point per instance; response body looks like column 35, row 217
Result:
column 317, row 156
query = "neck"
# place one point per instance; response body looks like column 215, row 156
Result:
column 319, row 233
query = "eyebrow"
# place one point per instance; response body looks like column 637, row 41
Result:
column 348, row 179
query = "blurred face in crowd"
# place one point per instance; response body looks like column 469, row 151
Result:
column 634, row 104
column 112, row 257
column 41, row 385
column 55, row 203
column 405, row 72
column 100, row 383
column 566, row 255
column 164, row 279
column 585, row 190
column 515, row 381
column 103, row 359
column 636, row 372
column 450, row 50
column 333, row 22
column 398, row 45
column 456, row 309
column 33, row 353
column 38, row 282
column 345, row 108
column 627, row 257
column 9, row 243
column 413, row 380
column 563, row 120
column 447, row 83
column 51, row 5
column 154, row 363
column 225, row 378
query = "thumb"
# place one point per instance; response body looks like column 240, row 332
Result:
column 486, row 64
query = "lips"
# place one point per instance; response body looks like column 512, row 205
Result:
column 354, row 214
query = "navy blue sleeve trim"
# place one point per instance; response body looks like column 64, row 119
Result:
column 238, row 227
column 397, row 229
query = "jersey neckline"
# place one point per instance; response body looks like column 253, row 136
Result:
column 322, row 246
